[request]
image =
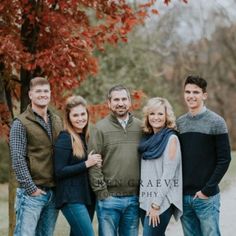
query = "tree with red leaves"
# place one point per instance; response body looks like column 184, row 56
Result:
column 56, row 39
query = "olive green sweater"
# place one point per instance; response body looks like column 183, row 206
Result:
column 120, row 173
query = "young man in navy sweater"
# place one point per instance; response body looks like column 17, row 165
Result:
column 206, row 157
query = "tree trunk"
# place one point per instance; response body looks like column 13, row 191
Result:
column 6, row 119
column 25, row 80
column 29, row 35
column 12, row 194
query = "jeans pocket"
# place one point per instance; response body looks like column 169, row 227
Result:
column 19, row 198
column 205, row 199
column 216, row 202
column 106, row 199
column 107, row 202
column 39, row 200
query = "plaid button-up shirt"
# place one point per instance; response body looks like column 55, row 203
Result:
column 18, row 151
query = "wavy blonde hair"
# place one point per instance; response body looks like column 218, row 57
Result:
column 77, row 144
column 154, row 103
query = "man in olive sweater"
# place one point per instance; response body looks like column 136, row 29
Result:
column 206, row 157
column 116, row 182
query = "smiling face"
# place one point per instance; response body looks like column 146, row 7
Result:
column 194, row 98
column 40, row 96
column 78, row 117
column 157, row 118
column 119, row 103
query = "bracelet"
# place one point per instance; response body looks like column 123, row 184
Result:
column 155, row 207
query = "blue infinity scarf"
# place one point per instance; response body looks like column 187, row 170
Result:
column 153, row 145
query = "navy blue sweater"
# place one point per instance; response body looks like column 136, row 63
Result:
column 72, row 184
column 205, row 152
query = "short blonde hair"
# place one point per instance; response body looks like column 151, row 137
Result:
column 154, row 103
column 38, row 81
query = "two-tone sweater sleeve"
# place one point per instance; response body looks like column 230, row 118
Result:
column 62, row 155
column 223, row 158
column 96, row 176
column 171, row 160
column 18, row 151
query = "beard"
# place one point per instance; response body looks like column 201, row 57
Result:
column 120, row 111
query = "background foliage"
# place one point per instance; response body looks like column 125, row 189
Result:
column 4, row 161
column 182, row 40
column 161, row 53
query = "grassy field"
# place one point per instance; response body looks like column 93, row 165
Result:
column 62, row 228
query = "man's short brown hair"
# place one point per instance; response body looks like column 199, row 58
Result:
column 38, row 81
column 118, row 87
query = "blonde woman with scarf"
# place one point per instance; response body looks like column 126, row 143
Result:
column 161, row 169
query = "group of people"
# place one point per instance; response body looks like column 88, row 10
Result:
column 123, row 168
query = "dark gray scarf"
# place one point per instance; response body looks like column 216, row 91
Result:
column 152, row 146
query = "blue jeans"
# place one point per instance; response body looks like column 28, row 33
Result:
column 149, row 230
column 118, row 216
column 35, row 216
column 201, row 216
column 79, row 219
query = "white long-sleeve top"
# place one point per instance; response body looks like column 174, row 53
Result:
column 161, row 180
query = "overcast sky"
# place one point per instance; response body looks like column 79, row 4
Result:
column 197, row 18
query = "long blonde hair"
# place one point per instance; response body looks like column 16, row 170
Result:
column 77, row 144
column 156, row 103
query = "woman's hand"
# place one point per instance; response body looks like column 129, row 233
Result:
column 154, row 218
column 93, row 159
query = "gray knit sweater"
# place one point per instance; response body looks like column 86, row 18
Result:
column 205, row 151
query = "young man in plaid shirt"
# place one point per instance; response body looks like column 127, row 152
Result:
column 31, row 139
